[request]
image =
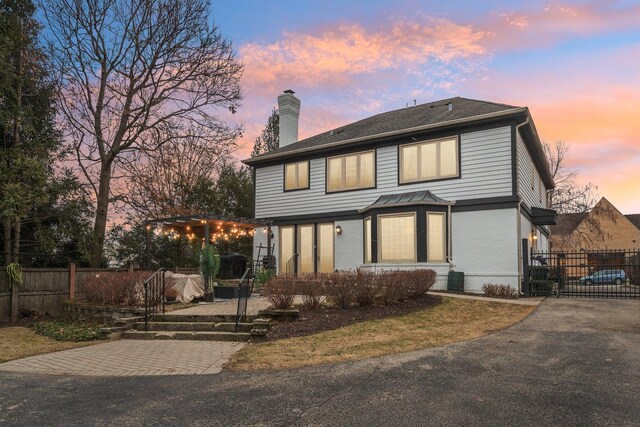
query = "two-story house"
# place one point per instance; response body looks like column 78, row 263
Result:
column 456, row 183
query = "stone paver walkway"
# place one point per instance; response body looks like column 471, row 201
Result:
column 534, row 301
column 131, row 358
column 225, row 307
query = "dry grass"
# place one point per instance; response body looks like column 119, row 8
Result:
column 451, row 321
column 17, row 342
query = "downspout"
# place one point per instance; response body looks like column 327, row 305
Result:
column 450, row 239
column 519, row 215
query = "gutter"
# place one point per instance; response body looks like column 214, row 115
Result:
column 497, row 114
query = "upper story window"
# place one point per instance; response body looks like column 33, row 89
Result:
column 352, row 171
column 296, row 175
column 429, row 160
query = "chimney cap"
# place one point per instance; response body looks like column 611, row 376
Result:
column 289, row 91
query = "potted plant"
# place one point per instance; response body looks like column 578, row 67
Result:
column 209, row 268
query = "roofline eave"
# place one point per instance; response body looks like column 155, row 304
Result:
column 266, row 157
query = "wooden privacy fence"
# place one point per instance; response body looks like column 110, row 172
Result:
column 43, row 289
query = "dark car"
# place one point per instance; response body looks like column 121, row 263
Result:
column 617, row 277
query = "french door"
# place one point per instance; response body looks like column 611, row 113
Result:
column 307, row 248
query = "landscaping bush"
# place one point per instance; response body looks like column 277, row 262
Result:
column 340, row 288
column 281, row 291
column 310, row 289
column 116, row 288
column 393, row 286
column 61, row 330
column 367, row 288
column 500, row 291
column 420, row 281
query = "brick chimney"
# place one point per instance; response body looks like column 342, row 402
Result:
column 289, row 108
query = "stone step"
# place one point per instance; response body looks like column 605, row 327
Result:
column 194, row 318
column 185, row 335
column 194, row 326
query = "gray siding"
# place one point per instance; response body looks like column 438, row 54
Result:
column 532, row 197
column 485, row 172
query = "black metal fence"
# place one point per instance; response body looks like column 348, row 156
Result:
column 243, row 296
column 154, row 296
column 589, row 274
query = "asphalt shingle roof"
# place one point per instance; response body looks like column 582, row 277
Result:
column 396, row 120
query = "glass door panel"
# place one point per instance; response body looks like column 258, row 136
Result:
column 286, row 249
column 305, row 249
column 325, row 248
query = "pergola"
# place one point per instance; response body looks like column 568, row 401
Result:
column 216, row 227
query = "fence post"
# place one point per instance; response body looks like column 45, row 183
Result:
column 14, row 300
column 72, row 281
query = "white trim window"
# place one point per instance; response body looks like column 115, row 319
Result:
column 397, row 238
column 296, row 175
column 436, row 236
column 352, row 171
column 429, row 160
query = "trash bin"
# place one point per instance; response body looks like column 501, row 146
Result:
column 455, row 281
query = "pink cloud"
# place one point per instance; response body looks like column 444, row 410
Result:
column 333, row 56
column 554, row 22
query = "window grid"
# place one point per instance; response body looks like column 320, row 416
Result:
column 350, row 172
column 397, row 238
column 436, row 234
column 418, row 160
column 296, row 175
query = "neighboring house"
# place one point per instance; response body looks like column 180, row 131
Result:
column 456, row 183
column 602, row 228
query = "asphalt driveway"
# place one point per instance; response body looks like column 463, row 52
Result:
column 573, row 362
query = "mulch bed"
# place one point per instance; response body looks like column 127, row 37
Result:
column 329, row 318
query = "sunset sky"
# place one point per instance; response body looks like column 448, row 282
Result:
column 576, row 65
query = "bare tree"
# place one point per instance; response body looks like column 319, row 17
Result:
column 132, row 71
column 166, row 182
column 568, row 196
column 581, row 224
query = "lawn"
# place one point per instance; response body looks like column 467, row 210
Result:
column 451, row 321
column 17, row 342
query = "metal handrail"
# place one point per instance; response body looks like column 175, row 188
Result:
column 154, row 295
column 242, row 301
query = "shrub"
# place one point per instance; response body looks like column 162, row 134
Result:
column 116, row 288
column 311, row 289
column 367, row 288
column 500, row 291
column 263, row 276
column 340, row 288
column 420, row 281
column 281, row 291
column 61, row 330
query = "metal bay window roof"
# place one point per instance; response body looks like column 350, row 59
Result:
column 407, row 199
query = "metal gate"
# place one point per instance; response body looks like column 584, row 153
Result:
column 588, row 274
